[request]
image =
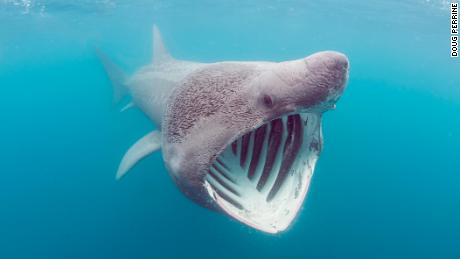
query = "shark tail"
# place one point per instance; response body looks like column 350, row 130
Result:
column 116, row 76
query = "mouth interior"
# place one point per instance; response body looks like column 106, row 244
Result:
column 261, row 179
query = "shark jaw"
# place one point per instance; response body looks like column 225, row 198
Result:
column 261, row 179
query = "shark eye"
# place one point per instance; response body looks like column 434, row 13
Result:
column 267, row 100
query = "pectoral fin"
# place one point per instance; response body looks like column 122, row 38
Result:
column 143, row 147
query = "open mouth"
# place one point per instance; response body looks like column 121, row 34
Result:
column 261, row 179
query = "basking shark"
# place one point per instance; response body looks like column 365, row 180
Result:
column 237, row 137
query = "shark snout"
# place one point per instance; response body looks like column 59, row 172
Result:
column 328, row 74
column 338, row 65
column 332, row 59
column 332, row 66
column 337, row 60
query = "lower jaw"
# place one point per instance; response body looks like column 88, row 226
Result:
column 262, row 178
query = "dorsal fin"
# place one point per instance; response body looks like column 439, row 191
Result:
column 160, row 53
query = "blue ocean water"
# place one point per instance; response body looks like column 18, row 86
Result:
column 387, row 184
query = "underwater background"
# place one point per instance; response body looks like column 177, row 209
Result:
column 387, row 184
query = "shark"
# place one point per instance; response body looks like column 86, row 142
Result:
column 238, row 137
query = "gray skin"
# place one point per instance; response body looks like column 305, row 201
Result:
column 202, row 108
column 217, row 103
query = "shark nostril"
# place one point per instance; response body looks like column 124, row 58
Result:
column 343, row 63
column 340, row 64
column 343, row 66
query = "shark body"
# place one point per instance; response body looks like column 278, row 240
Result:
column 241, row 138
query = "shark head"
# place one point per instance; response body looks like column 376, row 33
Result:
column 311, row 84
column 243, row 138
